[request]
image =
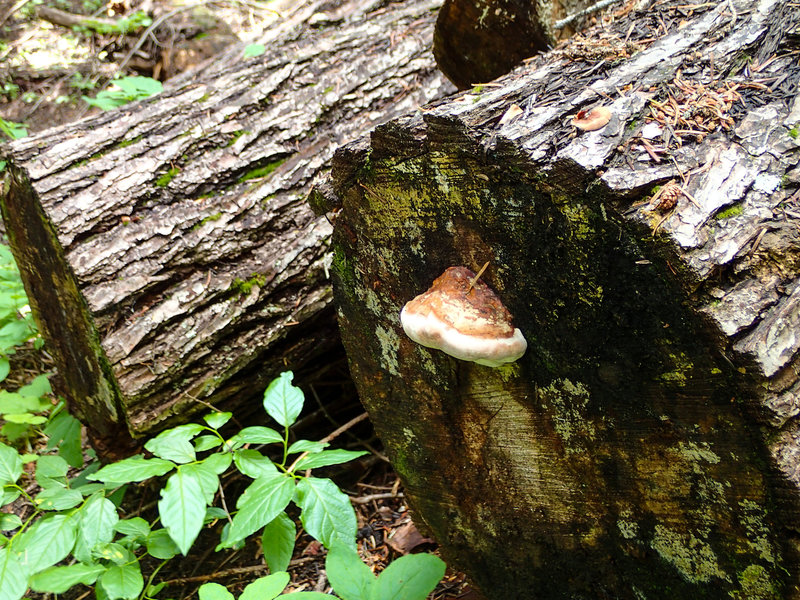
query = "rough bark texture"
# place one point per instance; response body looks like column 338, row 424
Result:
column 167, row 247
column 648, row 443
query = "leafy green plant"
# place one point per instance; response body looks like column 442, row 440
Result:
column 12, row 130
column 264, row 588
column 125, row 90
column 25, row 409
column 122, row 26
column 82, row 82
column 76, row 519
column 410, row 577
column 16, row 323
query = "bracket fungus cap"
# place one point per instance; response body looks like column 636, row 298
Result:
column 461, row 316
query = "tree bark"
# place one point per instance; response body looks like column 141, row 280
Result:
column 167, row 248
column 648, row 443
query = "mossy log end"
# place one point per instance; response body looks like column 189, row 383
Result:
column 167, row 247
column 647, row 446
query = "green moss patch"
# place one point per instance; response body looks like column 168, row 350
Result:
column 731, row 211
column 261, row 172
column 164, row 180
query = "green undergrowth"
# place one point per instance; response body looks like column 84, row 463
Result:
column 63, row 525
column 76, row 534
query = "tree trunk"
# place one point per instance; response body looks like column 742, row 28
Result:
column 647, row 445
column 167, row 248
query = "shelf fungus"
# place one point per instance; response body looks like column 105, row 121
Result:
column 461, row 316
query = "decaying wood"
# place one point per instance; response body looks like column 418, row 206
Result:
column 476, row 41
column 648, row 443
column 167, row 247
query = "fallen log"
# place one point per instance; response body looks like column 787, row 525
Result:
column 647, row 445
column 167, row 249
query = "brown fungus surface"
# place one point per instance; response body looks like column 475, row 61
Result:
column 464, row 318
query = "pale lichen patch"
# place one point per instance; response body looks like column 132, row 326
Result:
column 628, row 528
column 568, row 402
column 389, row 342
column 693, row 557
column 758, row 533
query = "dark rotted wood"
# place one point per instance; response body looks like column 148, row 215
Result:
column 648, row 443
column 167, row 248
column 476, row 41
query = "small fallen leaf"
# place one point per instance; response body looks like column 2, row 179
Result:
column 407, row 538
column 512, row 113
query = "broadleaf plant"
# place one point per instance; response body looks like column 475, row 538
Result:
column 76, row 519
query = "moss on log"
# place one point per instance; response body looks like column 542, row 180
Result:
column 646, row 446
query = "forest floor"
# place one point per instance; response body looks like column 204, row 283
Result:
column 47, row 71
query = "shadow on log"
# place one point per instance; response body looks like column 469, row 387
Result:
column 646, row 445
column 167, row 248
column 476, row 41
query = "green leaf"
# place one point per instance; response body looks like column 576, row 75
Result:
column 135, row 468
column 327, row 514
column 25, row 419
column 152, row 590
column 255, row 435
column 205, row 476
column 182, row 508
column 96, row 520
column 214, row 513
column 58, row 580
column 9, row 495
column 87, row 489
column 15, row 403
column 139, row 87
column 122, row 581
column 265, row 588
column 51, row 466
column 9, row 521
column 47, row 542
column 135, row 526
column 64, row 432
column 260, row 503
column 410, row 577
column 214, row 591
column 10, row 465
column 174, row 444
column 15, row 431
column 216, row 420
column 206, row 442
column 218, row 462
column 350, row 577
column 308, row 596
column 282, row 401
column 307, row 446
column 277, row 542
column 5, row 366
column 58, row 498
column 13, row 581
column 114, row 552
column 254, row 464
column 252, row 50
column 327, row 457
column 160, row 545
column 37, row 388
